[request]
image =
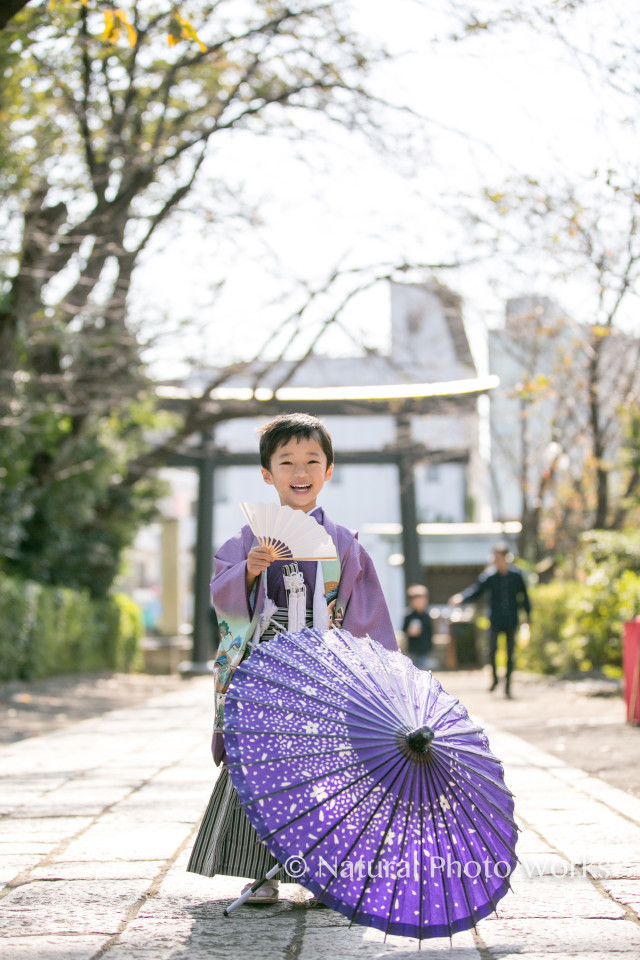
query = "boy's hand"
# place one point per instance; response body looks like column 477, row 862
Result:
column 258, row 559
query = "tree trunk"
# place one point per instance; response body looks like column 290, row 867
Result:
column 597, row 439
column 8, row 10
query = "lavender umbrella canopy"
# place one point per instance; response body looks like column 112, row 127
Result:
column 370, row 783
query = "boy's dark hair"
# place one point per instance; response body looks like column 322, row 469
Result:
column 288, row 425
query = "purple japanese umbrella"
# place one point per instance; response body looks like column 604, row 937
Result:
column 369, row 783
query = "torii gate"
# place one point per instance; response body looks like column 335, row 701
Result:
column 400, row 401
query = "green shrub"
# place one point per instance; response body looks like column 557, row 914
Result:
column 51, row 630
column 127, row 654
column 578, row 625
column 545, row 652
column 617, row 550
column 596, row 616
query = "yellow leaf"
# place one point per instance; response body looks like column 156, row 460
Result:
column 181, row 29
column 132, row 35
column 114, row 21
column 112, row 28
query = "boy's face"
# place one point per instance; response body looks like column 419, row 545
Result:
column 298, row 471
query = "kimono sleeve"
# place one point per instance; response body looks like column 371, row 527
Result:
column 229, row 585
column 231, row 599
column 366, row 610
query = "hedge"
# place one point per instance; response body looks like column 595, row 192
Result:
column 51, row 630
column 577, row 625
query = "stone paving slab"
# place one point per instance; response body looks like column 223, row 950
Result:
column 506, row 937
column 98, row 819
column 50, row 948
column 87, row 907
column 100, row 870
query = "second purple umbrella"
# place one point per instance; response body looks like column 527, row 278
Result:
column 370, row 783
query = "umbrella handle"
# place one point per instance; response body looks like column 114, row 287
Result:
column 252, row 889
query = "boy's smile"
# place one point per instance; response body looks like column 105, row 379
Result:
column 298, row 471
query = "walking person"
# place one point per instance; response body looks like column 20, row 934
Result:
column 504, row 585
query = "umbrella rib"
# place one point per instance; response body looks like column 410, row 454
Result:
column 388, row 827
column 486, row 753
column 400, row 712
column 480, row 773
column 328, row 831
column 421, row 782
column 305, row 713
column 347, row 786
column 439, row 717
column 376, row 649
column 363, row 679
column 491, row 803
column 437, row 775
column 297, row 756
column 462, row 784
column 301, row 733
column 294, row 638
column 362, row 701
column 294, row 708
column 402, row 849
column 301, row 783
column 425, row 771
column 402, row 762
column 457, row 732
column 423, row 703
column 364, row 704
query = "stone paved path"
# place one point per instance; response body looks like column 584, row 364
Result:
column 97, row 820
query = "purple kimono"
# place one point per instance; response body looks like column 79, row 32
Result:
column 359, row 592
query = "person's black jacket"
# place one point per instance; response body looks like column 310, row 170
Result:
column 507, row 594
column 421, row 644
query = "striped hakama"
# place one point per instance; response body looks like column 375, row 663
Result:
column 227, row 842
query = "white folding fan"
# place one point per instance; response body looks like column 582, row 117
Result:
column 289, row 534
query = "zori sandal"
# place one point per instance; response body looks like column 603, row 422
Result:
column 267, row 893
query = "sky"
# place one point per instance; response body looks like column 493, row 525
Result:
column 507, row 103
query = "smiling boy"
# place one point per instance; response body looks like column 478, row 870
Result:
column 298, row 466
column 252, row 597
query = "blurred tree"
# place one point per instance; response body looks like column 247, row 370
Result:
column 104, row 131
column 585, row 235
column 530, row 355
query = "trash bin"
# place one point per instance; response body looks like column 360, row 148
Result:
column 463, row 632
column 631, row 667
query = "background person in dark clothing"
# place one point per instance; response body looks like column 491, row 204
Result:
column 507, row 594
column 417, row 626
